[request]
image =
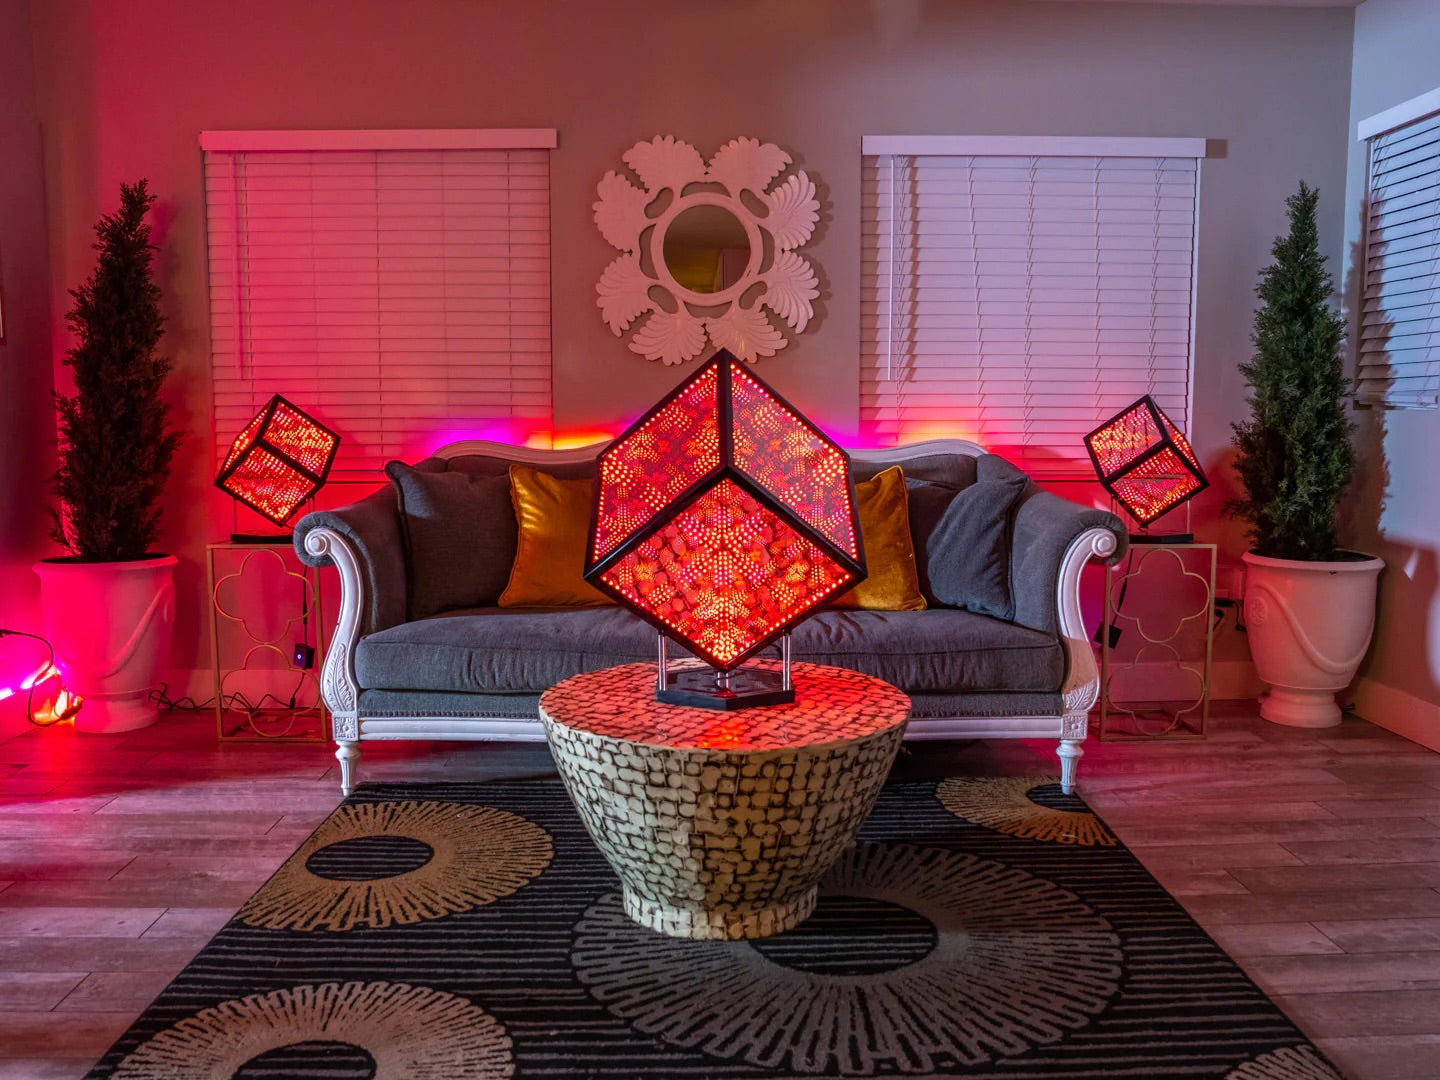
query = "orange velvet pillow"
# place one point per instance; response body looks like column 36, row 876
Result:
column 894, row 581
column 554, row 520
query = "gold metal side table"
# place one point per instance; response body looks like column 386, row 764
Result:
column 252, row 642
column 1155, row 679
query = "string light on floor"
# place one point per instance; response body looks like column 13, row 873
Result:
column 45, row 680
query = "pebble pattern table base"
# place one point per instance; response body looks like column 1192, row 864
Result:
column 721, row 825
column 719, row 923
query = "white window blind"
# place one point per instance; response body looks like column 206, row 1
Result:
column 397, row 291
column 1021, row 299
column 1399, row 354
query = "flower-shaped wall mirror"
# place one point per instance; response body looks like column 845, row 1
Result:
column 707, row 249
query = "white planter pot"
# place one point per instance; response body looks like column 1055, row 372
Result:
column 110, row 624
column 1309, row 625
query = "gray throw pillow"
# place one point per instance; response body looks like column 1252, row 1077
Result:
column 460, row 535
column 928, row 500
column 969, row 550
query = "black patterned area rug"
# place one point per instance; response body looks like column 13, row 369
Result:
column 979, row 928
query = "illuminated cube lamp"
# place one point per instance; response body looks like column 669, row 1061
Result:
column 723, row 518
column 1144, row 461
column 281, row 459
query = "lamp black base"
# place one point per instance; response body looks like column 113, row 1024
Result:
column 262, row 538
column 749, row 688
column 1162, row 538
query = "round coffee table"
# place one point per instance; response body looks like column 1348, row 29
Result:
column 720, row 824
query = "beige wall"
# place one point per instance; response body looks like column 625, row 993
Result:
column 1397, row 57
column 125, row 89
column 27, row 424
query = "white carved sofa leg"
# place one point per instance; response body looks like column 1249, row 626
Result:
column 1082, row 676
column 1070, row 751
column 348, row 754
column 338, row 685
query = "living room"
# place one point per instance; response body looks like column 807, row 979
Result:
column 1308, row 853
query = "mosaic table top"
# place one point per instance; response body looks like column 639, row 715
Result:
column 831, row 705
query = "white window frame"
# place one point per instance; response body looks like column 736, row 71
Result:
column 1421, row 108
column 320, row 141
column 882, row 146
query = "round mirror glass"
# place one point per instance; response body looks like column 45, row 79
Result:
column 706, row 249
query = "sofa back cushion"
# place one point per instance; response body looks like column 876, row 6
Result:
column 932, row 481
column 972, row 557
column 458, row 532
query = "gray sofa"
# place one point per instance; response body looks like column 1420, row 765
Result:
column 478, row 673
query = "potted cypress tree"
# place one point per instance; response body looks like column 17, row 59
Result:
column 1309, row 604
column 109, row 606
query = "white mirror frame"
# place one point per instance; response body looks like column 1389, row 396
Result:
column 675, row 331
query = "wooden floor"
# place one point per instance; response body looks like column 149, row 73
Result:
column 1313, row 858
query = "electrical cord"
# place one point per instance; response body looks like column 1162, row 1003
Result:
column 56, row 716
column 235, row 700
column 159, row 696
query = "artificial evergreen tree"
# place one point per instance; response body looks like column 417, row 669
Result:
column 116, row 442
column 1294, row 455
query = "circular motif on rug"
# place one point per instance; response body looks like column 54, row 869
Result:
column 383, row 864
column 1030, row 807
column 407, row 1031
column 1289, row 1063
column 1016, row 962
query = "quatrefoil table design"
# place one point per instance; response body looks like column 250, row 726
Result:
column 257, row 610
column 1173, row 657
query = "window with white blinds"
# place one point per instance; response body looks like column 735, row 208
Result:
column 1399, row 352
column 1020, row 292
column 396, row 285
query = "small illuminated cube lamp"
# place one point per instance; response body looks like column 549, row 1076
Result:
column 1147, row 465
column 723, row 518
column 281, row 459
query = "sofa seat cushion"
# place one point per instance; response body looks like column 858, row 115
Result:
column 937, row 651
column 517, row 651
column 501, row 650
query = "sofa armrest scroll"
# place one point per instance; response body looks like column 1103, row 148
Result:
column 370, row 532
column 1054, row 538
column 324, row 545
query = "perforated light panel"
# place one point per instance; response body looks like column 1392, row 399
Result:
column 1144, row 461
column 656, row 461
column 790, row 459
column 281, row 458
column 723, row 516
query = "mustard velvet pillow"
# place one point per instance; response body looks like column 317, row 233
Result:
column 554, row 520
column 894, row 581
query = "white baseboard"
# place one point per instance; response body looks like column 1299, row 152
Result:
column 1395, row 710
column 195, row 683
column 1232, row 680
